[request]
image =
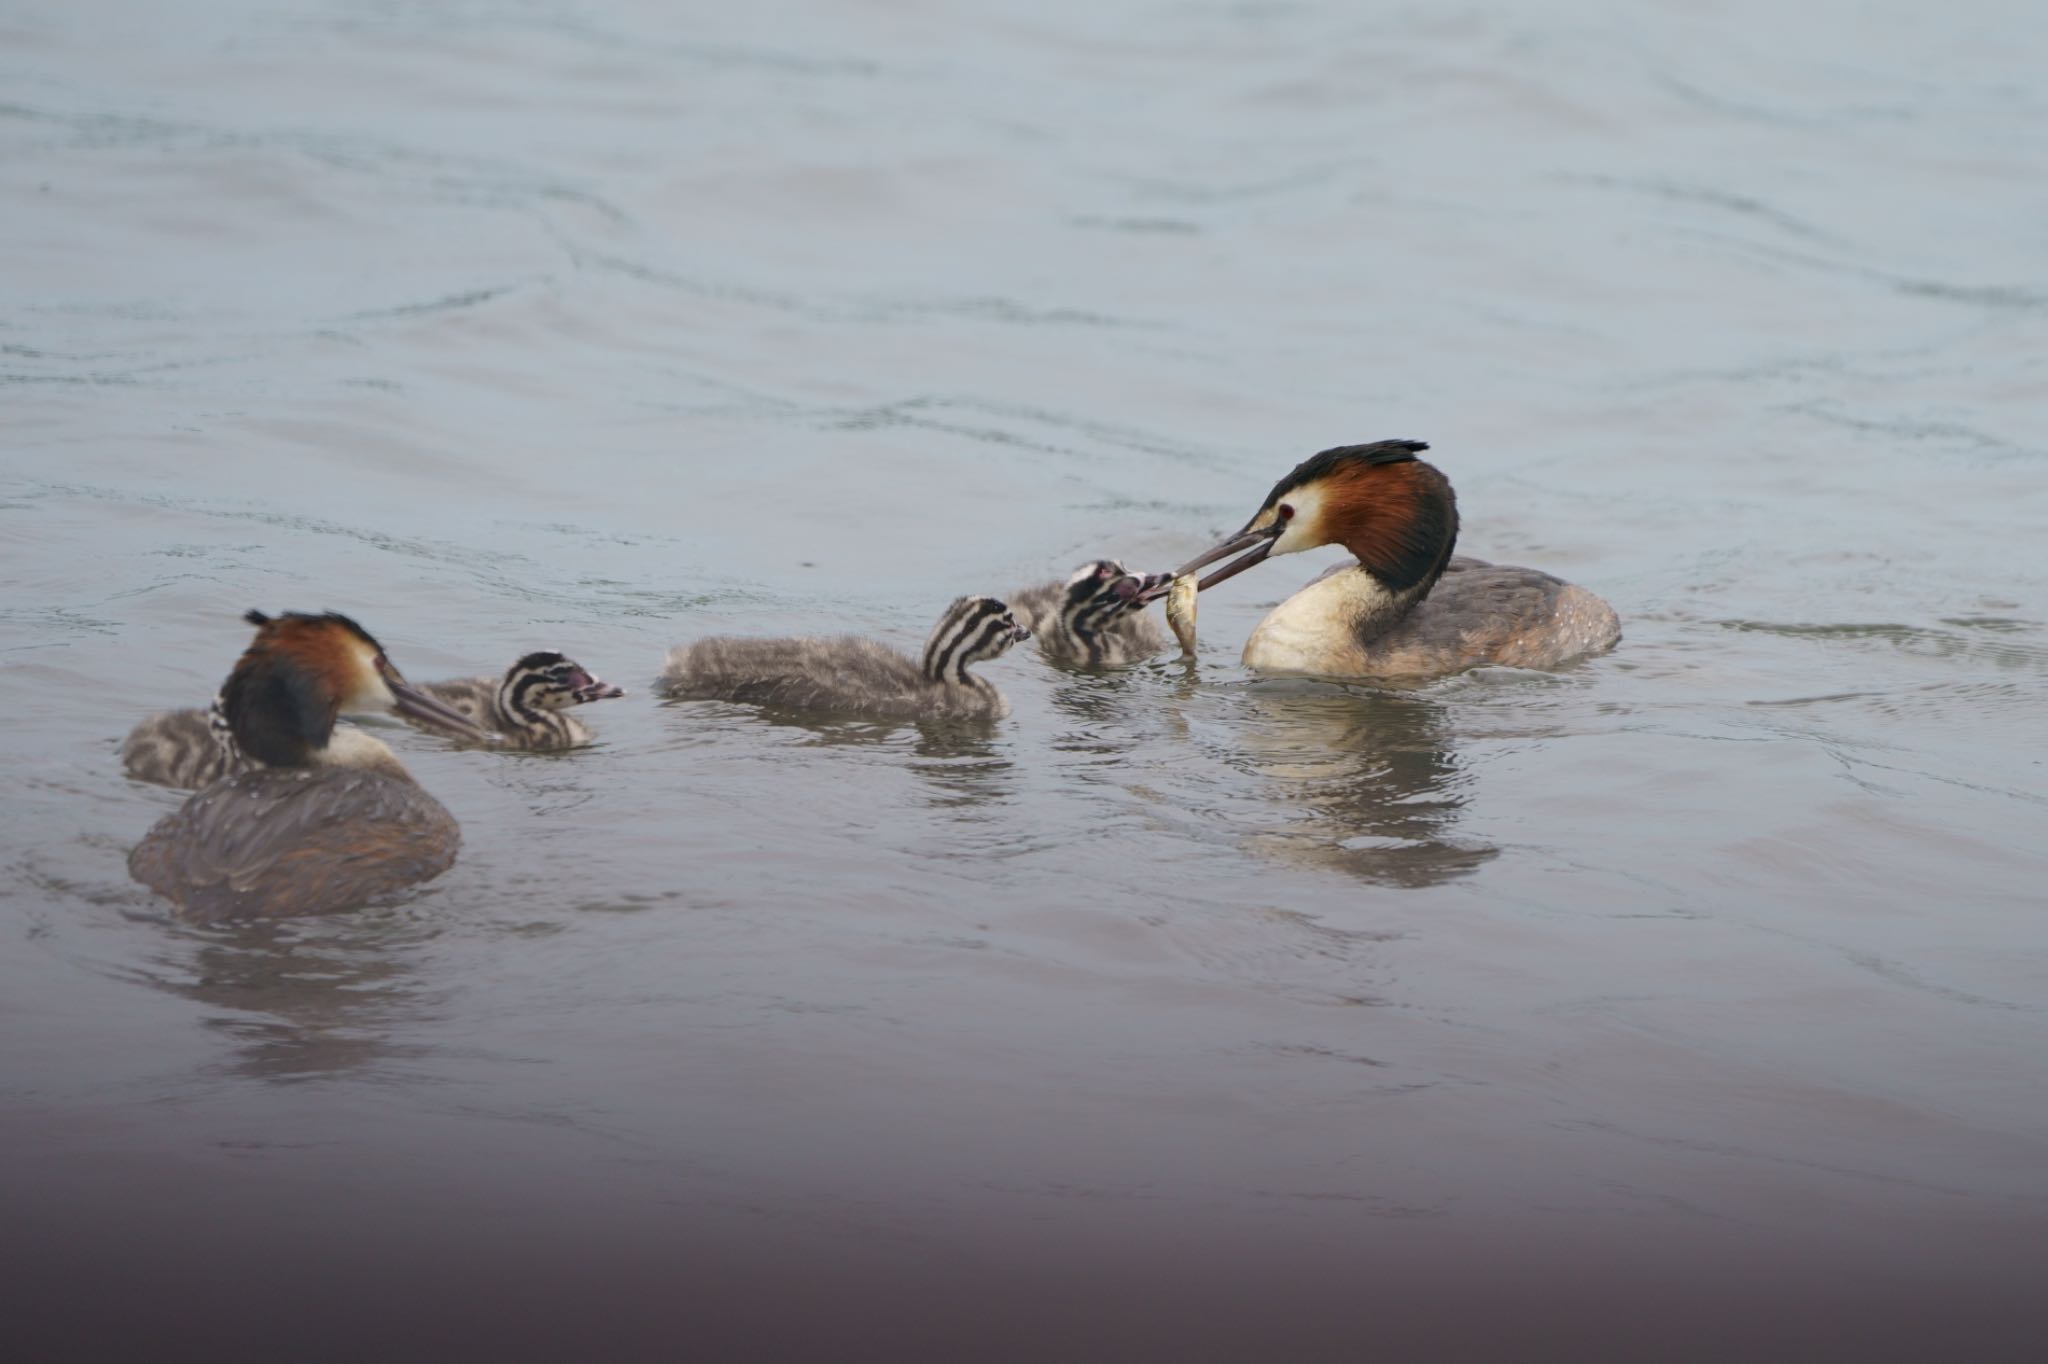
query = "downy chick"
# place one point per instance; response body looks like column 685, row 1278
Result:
column 853, row 676
column 529, row 706
column 1097, row 616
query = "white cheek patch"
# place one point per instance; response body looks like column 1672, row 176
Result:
column 1304, row 531
column 368, row 692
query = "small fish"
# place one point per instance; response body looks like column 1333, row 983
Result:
column 1180, row 611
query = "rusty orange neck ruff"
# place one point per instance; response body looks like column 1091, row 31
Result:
column 286, row 691
column 1400, row 520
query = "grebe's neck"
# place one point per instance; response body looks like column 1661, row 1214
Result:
column 950, row 648
column 1324, row 628
column 352, row 747
column 948, row 668
column 278, row 716
column 1402, row 533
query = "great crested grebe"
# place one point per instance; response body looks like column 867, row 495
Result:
column 527, row 707
column 856, row 676
column 320, row 818
column 1406, row 608
column 1096, row 616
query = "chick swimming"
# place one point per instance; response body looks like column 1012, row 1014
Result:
column 854, row 676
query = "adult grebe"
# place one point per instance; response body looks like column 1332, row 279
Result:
column 319, row 819
column 1406, row 608
column 1096, row 616
column 191, row 748
column 853, row 676
column 527, row 707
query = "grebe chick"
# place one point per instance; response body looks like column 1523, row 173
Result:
column 185, row 749
column 321, row 818
column 855, row 676
column 190, row 749
column 1406, row 608
column 1096, row 616
column 527, row 707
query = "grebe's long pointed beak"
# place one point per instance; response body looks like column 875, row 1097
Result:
column 1259, row 542
column 410, row 701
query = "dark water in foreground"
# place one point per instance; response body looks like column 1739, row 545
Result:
column 1689, row 1002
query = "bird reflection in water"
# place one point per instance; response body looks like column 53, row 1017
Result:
column 1373, row 777
column 303, row 999
column 965, row 767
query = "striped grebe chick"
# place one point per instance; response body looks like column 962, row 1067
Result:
column 185, row 749
column 189, row 749
column 1097, row 616
column 854, row 676
column 1406, row 608
column 318, row 818
column 528, row 708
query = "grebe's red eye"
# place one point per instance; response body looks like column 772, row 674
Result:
column 1286, row 512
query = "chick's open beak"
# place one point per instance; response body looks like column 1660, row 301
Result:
column 1151, row 587
column 588, row 688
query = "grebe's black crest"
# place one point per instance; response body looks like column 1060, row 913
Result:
column 1330, row 461
column 259, row 620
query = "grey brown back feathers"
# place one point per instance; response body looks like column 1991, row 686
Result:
column 286, row 841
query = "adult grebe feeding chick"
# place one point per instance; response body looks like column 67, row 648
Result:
column 853, row 676
column 528, row 707
column 1096, row 616
column 318, row 819
column 191, row 748
column 1406, row 608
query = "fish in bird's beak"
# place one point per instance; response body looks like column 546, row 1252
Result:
column 583, row 687
column 1258, row 541
column 415, row 704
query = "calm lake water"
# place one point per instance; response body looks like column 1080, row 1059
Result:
column 1692, row 999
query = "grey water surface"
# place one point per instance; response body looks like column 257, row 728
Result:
column 1696, row 994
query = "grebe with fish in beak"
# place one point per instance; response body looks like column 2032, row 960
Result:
column 1406, row 608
